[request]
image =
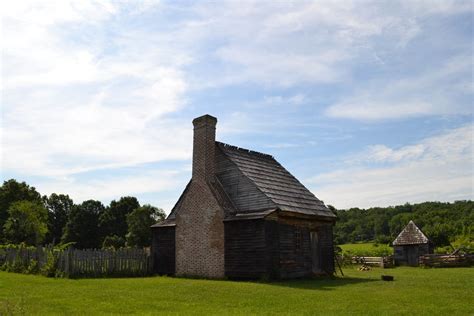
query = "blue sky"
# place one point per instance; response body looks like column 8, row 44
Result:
column 368, row 103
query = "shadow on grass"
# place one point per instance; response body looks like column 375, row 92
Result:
column 323, row 283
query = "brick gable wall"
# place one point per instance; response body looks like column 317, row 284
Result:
column 200, row 234
column 199, row 220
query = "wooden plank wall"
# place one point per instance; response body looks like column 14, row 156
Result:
column 164, row 250
column 272, row 243
column 402, row 253
column 325, row 234
column 268, row 249
column 295, row 262
column 246, row 255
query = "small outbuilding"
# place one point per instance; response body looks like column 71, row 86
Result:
column 242, row 215
column 410, row 244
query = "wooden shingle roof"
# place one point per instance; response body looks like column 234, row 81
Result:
column 410, row 235
column 275, row 182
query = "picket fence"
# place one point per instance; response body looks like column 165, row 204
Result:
column 82, row 263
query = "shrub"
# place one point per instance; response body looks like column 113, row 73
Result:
column 383, row 239
column 366, row 250
column 114, row 242
column 50, row 268
column 33, row 267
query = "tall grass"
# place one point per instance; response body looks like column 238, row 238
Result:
column 366, row 250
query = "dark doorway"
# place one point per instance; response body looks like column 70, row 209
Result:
column 412, row 255
column 315, row 253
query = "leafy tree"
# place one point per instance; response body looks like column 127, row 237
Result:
column 114, row 242
column 13, row 191
column 59, row 206
column 113, row 220
column 27, row 222
column 82, row 225
column 398, row 222
column 441, row 222
column 139, row 222
column 439, row 234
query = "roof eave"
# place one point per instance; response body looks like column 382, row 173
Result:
column 307, row 215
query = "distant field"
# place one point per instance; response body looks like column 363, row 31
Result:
column 367, row 249
column 415, row 291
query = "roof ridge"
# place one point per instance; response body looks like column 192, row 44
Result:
column 412, row 238
column 248, row 151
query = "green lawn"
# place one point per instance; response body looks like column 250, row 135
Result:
column 414, row 291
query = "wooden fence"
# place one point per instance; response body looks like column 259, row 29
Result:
column 383, row 262
column 80, row 263
column 458, row 260
column 23, row 257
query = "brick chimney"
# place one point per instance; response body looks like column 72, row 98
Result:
column 204, row 147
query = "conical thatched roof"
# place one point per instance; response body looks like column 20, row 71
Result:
column 410, row 235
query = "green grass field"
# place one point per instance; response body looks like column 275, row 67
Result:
column 367, row 249
column 414, row 291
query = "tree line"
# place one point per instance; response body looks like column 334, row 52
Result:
column 442, row 222
column 28, row 217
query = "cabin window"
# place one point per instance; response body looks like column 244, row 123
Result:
column 298, row 239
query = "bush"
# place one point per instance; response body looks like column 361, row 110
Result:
column 444, row 250
column 51, row 266
column 366, row 250
column 33, row 267
column 466, row 244
column 26, row 260
column 383, row 239
column 113, row 242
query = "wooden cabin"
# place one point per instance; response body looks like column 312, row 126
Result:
column 243, row 216
column 410, row 244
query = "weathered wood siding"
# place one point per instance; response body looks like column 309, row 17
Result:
column 261, row 248
column 241, row 190
column 295, row 255
column 409, row 254
column 272, row 244
column 326, row 240
column 246, row 255
column 163, row 250
column 294, row 252
column 75, row 263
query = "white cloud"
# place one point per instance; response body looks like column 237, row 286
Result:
column 112, row 188
column 285, row 69
column 283, row 145
column 382, row 153
column 106, row 189
column 34, row 53
column 434, row 92
column 361, row 109
column 90, row 85
column 69, row 107
column 285, row 44
column 273, row 100
column 438, row 168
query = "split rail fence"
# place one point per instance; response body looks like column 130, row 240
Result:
column 458, row 260
column 81, row 263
